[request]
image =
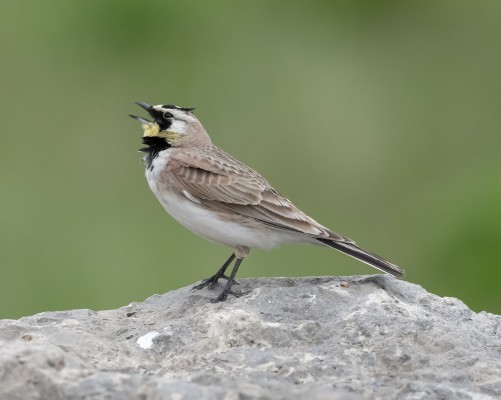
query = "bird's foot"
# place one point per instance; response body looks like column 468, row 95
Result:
column 224, row 295
column 211, row 282
column 230, row 281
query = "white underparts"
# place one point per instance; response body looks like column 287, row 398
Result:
column 188, row 211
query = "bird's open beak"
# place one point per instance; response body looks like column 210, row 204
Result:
column 146, row 107
column 140, row 119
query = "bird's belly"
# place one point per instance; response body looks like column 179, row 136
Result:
column 211, row 226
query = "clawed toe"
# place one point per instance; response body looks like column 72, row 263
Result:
column 230, row 280
column 223, row 296
column 198, row 287
column 211, row 283
column 206, row 282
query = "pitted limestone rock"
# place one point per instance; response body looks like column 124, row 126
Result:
column 371, row 337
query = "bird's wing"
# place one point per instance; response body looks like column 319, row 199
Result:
column 222, row 183
column 215, row 179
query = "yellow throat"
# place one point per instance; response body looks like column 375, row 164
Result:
column 153, row 129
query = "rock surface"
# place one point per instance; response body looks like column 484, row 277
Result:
column 369, row 337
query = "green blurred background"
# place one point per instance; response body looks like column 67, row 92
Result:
column 381, row 119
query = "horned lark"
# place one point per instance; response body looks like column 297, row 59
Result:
column 223, row 200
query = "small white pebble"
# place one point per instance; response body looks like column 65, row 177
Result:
column 146, row 341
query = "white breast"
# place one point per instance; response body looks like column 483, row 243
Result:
column 189, row 213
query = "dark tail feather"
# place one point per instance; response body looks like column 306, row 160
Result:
column 369, row 258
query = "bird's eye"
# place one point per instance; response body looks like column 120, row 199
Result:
column 167, row 115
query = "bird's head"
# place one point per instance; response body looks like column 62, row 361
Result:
column 175, row 126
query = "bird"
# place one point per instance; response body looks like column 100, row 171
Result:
column 223, row 200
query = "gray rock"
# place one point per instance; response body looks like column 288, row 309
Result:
column 371, row 337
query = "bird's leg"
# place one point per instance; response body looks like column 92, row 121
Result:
column 212, row 281
column 227, row 289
